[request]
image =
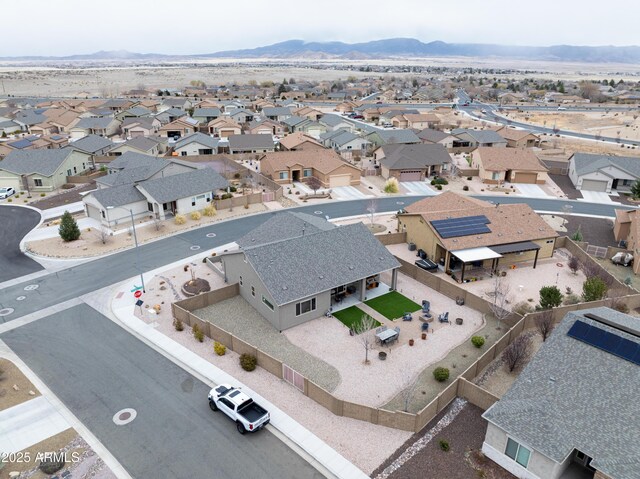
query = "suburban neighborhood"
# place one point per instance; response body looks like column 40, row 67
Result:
column 327, row 259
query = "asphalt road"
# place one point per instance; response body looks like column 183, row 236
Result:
column 97, row 369
column 15, row 223
column 82, row 279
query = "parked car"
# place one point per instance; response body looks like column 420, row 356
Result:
column 6, row 192
column 358, row 117
column 562, row 108
column 247, row 414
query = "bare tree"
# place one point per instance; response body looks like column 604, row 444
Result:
column 157, row 223
column 314, row 183
column 544, row 323
column 517, row 352
column 103, row 234
column 574, row 264
column 364, row 331
column 372, row 207
column 500, row 293
column 408, row 385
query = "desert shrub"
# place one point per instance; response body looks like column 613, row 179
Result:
column 197, row 333
column 42, row 195
column 248, row 362
column 391, row 186
column 177, row 323
column 233, row 189
column 180, row 219
column 444, row 445
column 477, row 341
column 594, row 289
column 68, row 186
column 209, row 210
column 438, row 187
column 550, row 297
column 522, row 308
column 51, row 466
column 465, row 188
column 219, row 348
column 226, row 196
column 441, row 374
column 619, row 305
column 571, row 299
column 196, row 215
column 468, row 178
column 574, row 264
column 9, row 200
column 439, row 181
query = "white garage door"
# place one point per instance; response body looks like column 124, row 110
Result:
column 93, row 212
column 339, row 180
column 410, row 175
column 594, row 185
column 11, row 182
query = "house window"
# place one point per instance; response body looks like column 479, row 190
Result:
column 149, row 207
column 267, row 303
column 103, row 215
column 193, row 201
column 550, row 241
column 495, row 175
column 518, row 452
column 37, row 182
column 626, row 182
column 253, row 291
column 75, row 170
column 183, row 153
column 241, row 283
column 304, row 307
column 69, row 172
column 306, row 173
column 284, row 175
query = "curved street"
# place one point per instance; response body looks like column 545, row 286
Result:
column 16, row 222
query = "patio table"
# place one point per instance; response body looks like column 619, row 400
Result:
column 387, row 336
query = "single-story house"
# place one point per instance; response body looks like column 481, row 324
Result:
column 62, row 119
column 100, row 125
column 265, row 127
column 414, row 162
column 8, row 127
column 468, row 140
column 93, row 145
column 285, row 167
column 604, row 173
column 145, row 126
column 276, row 113
column 459, row 232
column 205, row 115
column 298, row 141
column 282, row 275
column 240, row 115
column 147, row 145
column 172, row 114
column 251, row 144
column 346, row 143
column 335, row 122
column 179, row 128
column 42, row 170
column 134, row 112
column 224, row 127
column 430, row 136
column 517, row 138
column 417, row 121
column 196, row 144
column 383, row 137
column 497, row 165
column 570, row 413
column 311, row 113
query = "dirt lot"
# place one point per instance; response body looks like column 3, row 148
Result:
column 64, row 197
column 11, row 376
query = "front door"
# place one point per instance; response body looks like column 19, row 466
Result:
column 614, row 185
column 295, row 175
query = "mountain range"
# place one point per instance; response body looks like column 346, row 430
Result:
column 378, row 49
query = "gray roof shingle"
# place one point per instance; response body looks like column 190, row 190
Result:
column 284, row 226
column 586, row 163
column 198, row 137
column 183, row 185
column 91, row 143
column 481, row 136
column 95, row 123
column 414, row 156
column 43, row 162
column 399, row 135
column 118, row 195
column 245, row 142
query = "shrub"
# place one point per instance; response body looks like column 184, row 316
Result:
column 68, row 229
column 438, row 187
column 391, row 186
column 180, row 219
column 441, row 374
column 550, row 297
column 42, row 195
column 209, row 210
column 196, row 215
column 219, row 348
column 177, row 323
column 444, row 445
column 594, row 289
column 574, row 264
column 51, row 466
column 619, row 305
column 465, row 188
column 517, row 352
column 9, row 200
column 477, row 341
column 571, row 299
column 197, row 333
column 628, row 281
column 522, row 308
column 226, row 196
column 248, row 362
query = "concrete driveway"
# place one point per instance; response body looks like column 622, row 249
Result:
column 348, row 193
column 417, row 188
column 532, row 191
column 16, row 222
column 596, row 197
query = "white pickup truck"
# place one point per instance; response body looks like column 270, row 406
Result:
column 248, row 415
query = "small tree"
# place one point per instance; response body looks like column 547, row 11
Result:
column 103, row 234
column 68, row 230
column 574, row 264
column 550, row 297
column 408, row 386
column 499, row 307
column 364, row 331
column 517, row 352
column 635, row 190
column 544, row 324
column 594, row 289
column 314, row 183
column 372, row 207
column 577, row 236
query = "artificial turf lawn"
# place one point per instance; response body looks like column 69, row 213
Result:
column 393, row 305
column 352, row 316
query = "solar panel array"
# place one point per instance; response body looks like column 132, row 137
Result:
column 465, row 226
column 612, row 343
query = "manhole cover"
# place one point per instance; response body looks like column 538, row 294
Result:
column 21, row 298
column 31, row 287
column 317, row 212
column 124, row 416
column 195, row 247
column 211, row 235
column 6, row 311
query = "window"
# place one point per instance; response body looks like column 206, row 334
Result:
column 306, row 173
column 37, row 182
column 183, row 153
column 550, row 241
column 517, row 452
column 193, row 201
column 241, row 281
column 75, row 170
column 266, row 301
column 149, row 206
column 253, row 291
column 495, row 175
column 284, row 175
column 227, row 403
column 304, row 307
column 69, row 172
column 103, row 215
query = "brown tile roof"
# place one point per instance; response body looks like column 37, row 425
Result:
column 324, row 161
column 296, row 139
column 430, row 117
column 502, row 159
column 513, row 134
column 624, row 216
column 220, row 122
column 447, row 201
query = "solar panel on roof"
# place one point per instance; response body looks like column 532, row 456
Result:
column 606, row 341
column 465, row 226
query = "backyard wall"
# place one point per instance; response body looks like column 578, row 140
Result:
column 392, row 238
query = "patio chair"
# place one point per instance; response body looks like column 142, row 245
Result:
column 407, row 317
column 426, row 306
column 424, row 327
column 444, row 317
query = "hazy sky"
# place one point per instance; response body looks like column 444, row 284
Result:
column 205, row 26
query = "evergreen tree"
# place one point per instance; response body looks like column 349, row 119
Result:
column 635, row 190
column 68, row 230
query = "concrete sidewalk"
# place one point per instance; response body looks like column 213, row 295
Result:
column 317, row 452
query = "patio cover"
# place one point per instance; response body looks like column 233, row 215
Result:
column 516, row 247
column 475, row 254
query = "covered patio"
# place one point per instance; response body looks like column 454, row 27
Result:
column 351, row 299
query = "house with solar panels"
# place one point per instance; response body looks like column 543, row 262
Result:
column 461, row 233
column 573, row 412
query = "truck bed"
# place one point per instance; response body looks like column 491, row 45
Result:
column 252, row 412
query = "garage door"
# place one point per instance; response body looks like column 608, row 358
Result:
column 225, row 133
column 11, row 182
column 93, row 212
column 529, row 178
column 410, row 175
column 594, row 185
column 339, row 180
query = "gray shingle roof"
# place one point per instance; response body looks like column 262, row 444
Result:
column 206, row 112
column 183, row 185
column 243, row 142
column 481, row 136
column 132, row 174
column 575, row 396
column 294, row 120
column 98, row 122
column 332, row 120
column 141, row 143
column 277, row 111
column 434, row 136
column 283, row 226
column 197, row 137
column 138, row 111
column 91, row 143
column 399, row 135
column 118, row 195
column 43, row 162
column 414, row 156
column 130, row 159
column 300, row 267
column 345, row 137
column 30, row 117
column 585, row 163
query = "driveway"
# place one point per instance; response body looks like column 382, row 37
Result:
column 348, row 193
column 16, row 222
column 97, row 369
column 532, row 191
column 596, row 197
column 417, row 188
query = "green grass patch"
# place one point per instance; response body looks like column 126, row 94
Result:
column 393, row 305
column 351, row 316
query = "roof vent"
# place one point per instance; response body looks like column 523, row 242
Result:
column 499, row 234
column 519, row 232
column 285, row 288
column 351, row 267
column 321, row 276
column 552, row 379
